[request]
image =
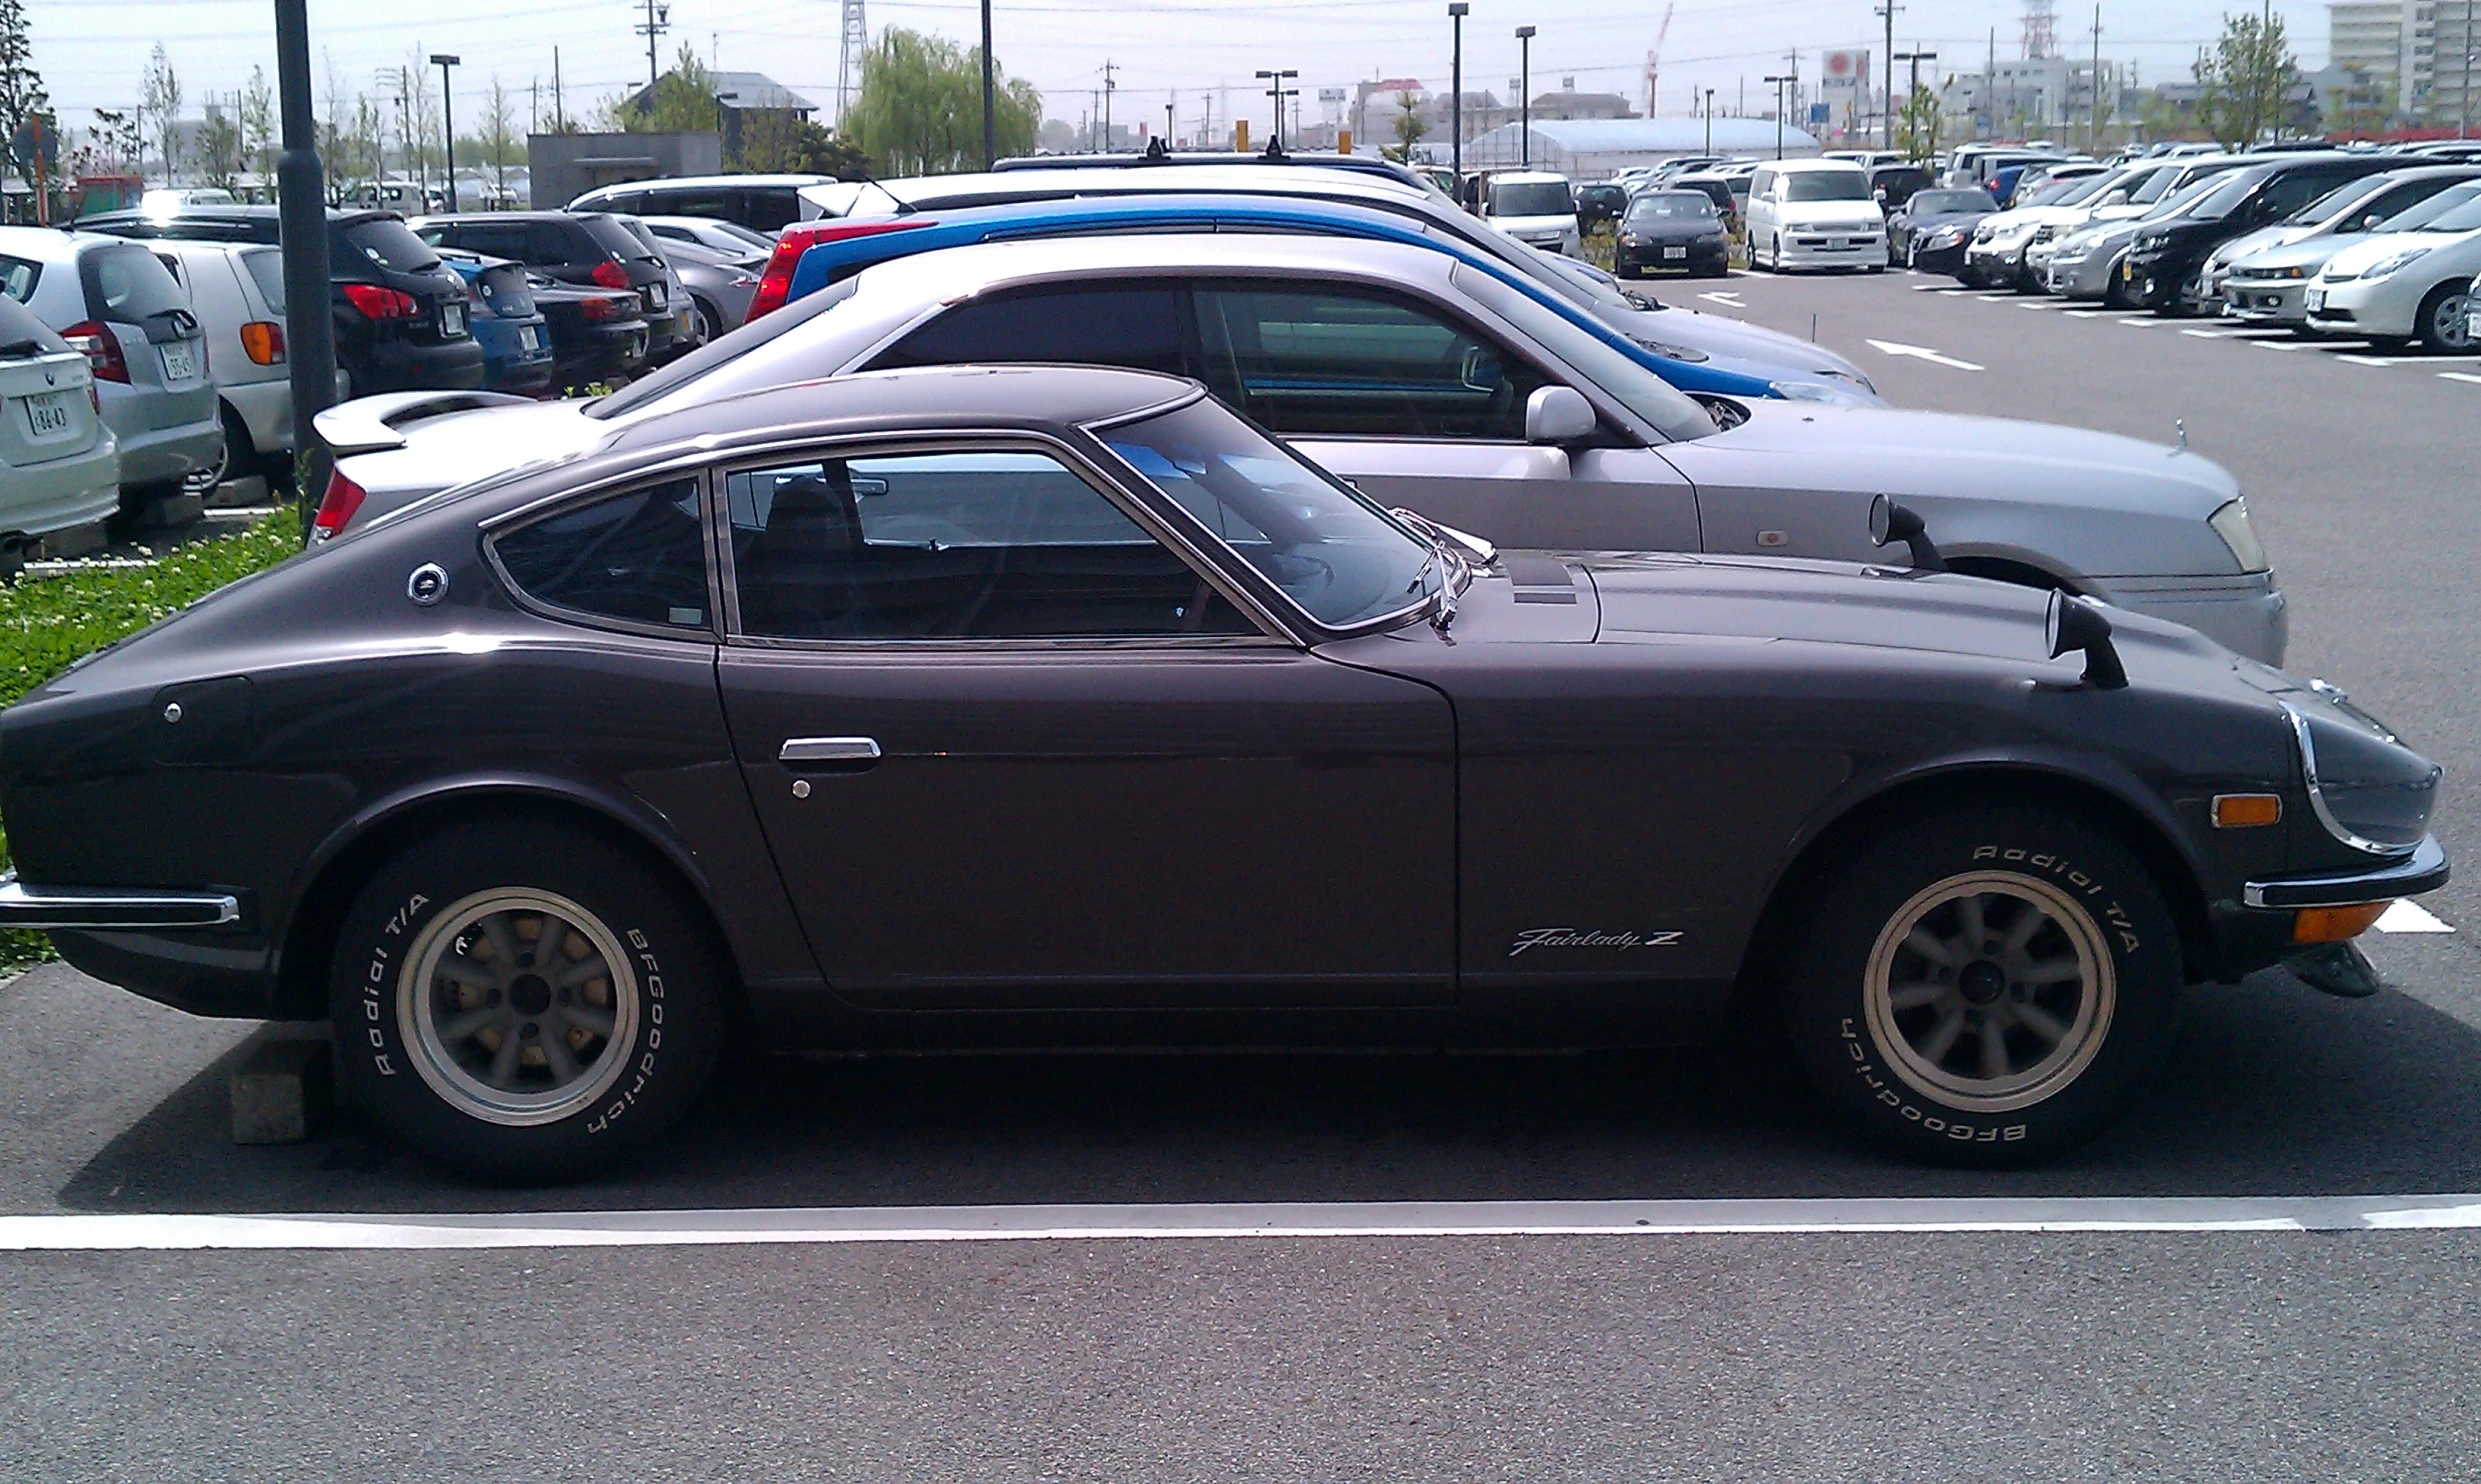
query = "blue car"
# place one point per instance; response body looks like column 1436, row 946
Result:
column 1686, row 367
column 514, row 336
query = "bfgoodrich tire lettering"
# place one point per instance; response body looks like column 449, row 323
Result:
column 525, row 1002
column 1985, row 988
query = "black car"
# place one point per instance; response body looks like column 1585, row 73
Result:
column 1010, row 706
column 1893, row 185
column 401, row 315
column 1931, row 230
column 2165, row 263
column 1599, row 203
column 1716, row 189
column 588, row 249
column 597, row 335
column 1672, row 232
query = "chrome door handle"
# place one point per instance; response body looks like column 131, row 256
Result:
column 829, row 751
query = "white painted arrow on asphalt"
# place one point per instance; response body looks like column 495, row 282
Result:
column 1726, row 298
column 1924, row 353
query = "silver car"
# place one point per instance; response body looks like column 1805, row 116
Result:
column 717, row 286
column 237, row 292
column 60, row 473
column 1442, row 386
column 114, row 300
column 2268, row 284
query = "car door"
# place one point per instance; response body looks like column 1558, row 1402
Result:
column 1012, row 750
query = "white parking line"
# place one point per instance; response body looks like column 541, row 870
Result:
column 1997, row 298
column 2408, row 916
column 2214, row 334
column 1923, row 353
column 2286, row 347
column 2144, row 322
column 1101, row 1223
column 2090, row 313
column 1728, row 298
column 2460, row 376
column 2381, row 362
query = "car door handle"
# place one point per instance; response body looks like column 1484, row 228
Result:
column 829, row 752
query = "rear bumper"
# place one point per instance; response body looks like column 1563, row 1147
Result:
column 1696, row 256
column 2425, row 869
column 399, row 366
column 151, row 456
column 61, row 494
column 23, row 906
column 266, row 411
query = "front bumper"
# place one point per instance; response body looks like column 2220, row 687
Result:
column 1703, row 255
column 2088, row 277
column 1822, row 250
column 2361, row 307
column 2267, row 301
column 86, row 909
column 2244, row 613
column 2425, row 869
column 1995, row 262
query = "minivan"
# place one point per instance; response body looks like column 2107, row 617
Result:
column 1815, row 214
column 762, row 203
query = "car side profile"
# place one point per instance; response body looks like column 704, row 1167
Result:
column 1412, row 372
column 1007, row 706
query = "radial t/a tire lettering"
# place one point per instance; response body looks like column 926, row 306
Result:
column 1984, row 987
column 525, row 1001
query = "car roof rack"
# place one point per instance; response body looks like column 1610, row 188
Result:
column 1154, row 156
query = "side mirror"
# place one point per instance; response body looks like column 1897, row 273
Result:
column 2074, row 624
column 1558, row 415
column 1891, row 521
column 2116, row 198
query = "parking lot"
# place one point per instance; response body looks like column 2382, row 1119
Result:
column 593, row 1350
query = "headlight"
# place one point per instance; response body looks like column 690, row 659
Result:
column 2368, row 790
column 1854, row 377
column 2399, row 260
column 2231, row 523
column 1810, row 391
column 1947, row 238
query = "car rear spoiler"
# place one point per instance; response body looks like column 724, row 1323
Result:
column 370, row 424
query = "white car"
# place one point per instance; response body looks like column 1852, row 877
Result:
column 762, row 203
column 2401, row 286
column 1998, row 255
column 1534, row 207
column 237, row 291
column 1815, row 214
column 729, row 238
column 2264, row 276
column 60, row 472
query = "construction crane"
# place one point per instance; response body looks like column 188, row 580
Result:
column 1654, row 60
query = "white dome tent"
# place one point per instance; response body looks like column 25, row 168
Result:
column 1595, row 149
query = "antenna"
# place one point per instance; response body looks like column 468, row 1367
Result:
column 855, row 45
column 2041, row 28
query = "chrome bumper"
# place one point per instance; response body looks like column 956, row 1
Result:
column 23, row 906
column 2425, row 869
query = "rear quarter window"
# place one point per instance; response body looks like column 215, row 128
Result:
column 639, row 558
column 614, row 238
column 266, row 269
column 128, row 284
column 769, row 210
column 18, row 278
column 390, row 245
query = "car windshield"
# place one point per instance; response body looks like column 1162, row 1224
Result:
column 2081, row 190
column 392, row 245
column 2333, row 204
column 2415, row 218
column 2152, row 190
column 2464, row 218
column 1614, row 370
column 1339, row 557
column 2229, row 191
column 1826, row 185
column 1670, row 206
column 1531, row 198
column 759, row 354
column 2194, row 193
column 1942, row 203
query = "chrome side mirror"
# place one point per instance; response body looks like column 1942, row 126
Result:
column 1891, row 521
column 1558, row 415
column 2074, row 624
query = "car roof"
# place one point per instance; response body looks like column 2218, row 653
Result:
column 925, row 398
column 1527, row 177
column 468, row 218
column 1351, row 164
column 912, row 192
column 705, row 182
column 959, row 272
column 1803, row 167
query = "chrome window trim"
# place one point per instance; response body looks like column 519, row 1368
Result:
column 1274, row 630
column 2317, row 794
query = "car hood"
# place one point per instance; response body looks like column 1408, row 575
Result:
column 2258, row 241
column 1560, row 222
column 2310, row 252
column 1721, row 335
column 2362, row 255
column 2024, row 217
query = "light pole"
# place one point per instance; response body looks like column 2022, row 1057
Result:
column 1524, row 90
column 1277, row 91
column 1457, row 10
column 448, row 120
column 310, row 344
column 1709, row 121
column 1779, row 79
column 990, row 123
column 1916, row 59
column 1888, row 10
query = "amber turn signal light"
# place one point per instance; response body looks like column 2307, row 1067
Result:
column 2335, row 924
column 2246, row 811
column 263, row 340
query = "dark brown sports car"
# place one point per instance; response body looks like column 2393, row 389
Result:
column 1050, row 705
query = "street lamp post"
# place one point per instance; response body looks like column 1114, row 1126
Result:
column 990, row 123
column 1457, row 10
column 1916, row 58
column 1709, row 121
column 1524, row 90
column 1779, row 79
column 301, row 193
column 1277, row 91
column 448, row 119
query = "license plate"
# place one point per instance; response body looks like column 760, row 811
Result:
column 48, row 415
column 2317, row 300
column 452, row 319
column 1675, row 252
column 180, row 361
column 1837, row 244
column 656, row 296
column 529, row 339
column 2472, row 323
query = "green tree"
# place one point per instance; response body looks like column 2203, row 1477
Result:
column 496, row 141
column 920, row 107
column 1408, row 129
column 2248, row 80
column 1917, row 123
column 159, row 95
column 219, row 147
column 21, row 87
column 257, row 118
column 774, row 141
column 682, row 101
column 118, row 140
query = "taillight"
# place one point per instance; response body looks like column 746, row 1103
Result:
column 263, row 341
column 609, row 274
column 775, row 285
column 381, row 303
column 101, row 348
column 602, row 308
column 336, row 507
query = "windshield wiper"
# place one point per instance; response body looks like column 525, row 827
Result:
column 1454, row 553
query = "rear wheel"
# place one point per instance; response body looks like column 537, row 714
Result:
column 525, row 1001
column 2444, row 324
column 1985, row 987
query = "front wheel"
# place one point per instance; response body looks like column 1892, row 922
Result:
column 1987, row 987
column 2445, row 322
column 525, row 1001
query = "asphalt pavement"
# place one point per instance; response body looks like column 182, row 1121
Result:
column 1773, row 1354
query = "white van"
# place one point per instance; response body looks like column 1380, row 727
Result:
column 1534, row 207
column 1815, row 214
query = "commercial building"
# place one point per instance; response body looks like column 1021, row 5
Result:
column 2419, row 55
column 1595, row 149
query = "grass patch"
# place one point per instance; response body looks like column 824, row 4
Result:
column 48, row 623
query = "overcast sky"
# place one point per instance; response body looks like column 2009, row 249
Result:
column 91, row 52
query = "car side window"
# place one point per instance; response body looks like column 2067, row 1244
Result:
column 767, row 209
column 550, row 243
column 1135, row 327
column 1307, row 362
column 639, row 557
column 964, row 545
column 1761, row 183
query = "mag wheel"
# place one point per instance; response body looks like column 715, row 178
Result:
column 528, row 1003
column 1986, row 989
column 2445, row 322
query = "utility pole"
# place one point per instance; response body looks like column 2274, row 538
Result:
column 1888, row 11
column 1709, row 121
column 1989, row 84
column 1169, row 134
column 1457, row 10
column 1778, row 79
column 1524, row 90
column 1275, row 140
column 559, row 99
column 2093, row 140
column 658, row 20
column 301, row 191
column 990, row 122
column 2463, row 122
column 1916, row 58
column 448, row 120
column 1109, row 84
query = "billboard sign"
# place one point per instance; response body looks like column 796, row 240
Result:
column 1844, row 87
